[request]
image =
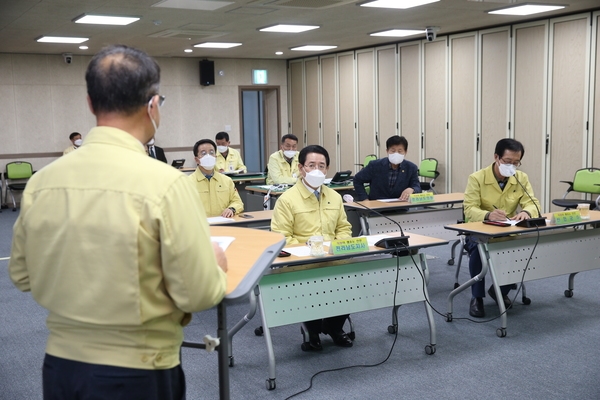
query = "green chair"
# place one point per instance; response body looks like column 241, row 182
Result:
column 19, row 171
column 428, row 169
column 585, row 181
column 368, row 159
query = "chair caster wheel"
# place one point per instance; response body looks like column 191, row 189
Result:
column 526, row 300
column 456, row 284
column 451, row 261
column 352, row 335
column 430, row 349
column 449, row 317
column 259, row 331
column 271, row 384
column 568, row 293
column 501, row 332
column 392, row 329
column 231, row 362
column 305, row 346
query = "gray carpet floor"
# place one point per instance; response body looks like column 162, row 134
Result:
column 551, row 350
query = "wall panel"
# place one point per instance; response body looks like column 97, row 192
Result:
column 463, row 108
column 434, row 107
column 386, row 96
column 595, row 103
column 365, row 76
column 297, row 101
column 346, row 117
column 328, row 111
column 311, row 101
column 409, row 114
column 569, row 40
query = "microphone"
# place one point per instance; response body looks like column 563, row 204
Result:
column 531, row 222
column 386, row 243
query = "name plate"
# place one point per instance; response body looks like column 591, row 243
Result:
column 348, row 246
column 418, row 198
column 566, row 217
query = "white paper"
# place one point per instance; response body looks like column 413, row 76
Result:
column 304, row 251
column 222, row 241
column 327, row 181
column 264, row 186
column 219, row 220
column 391, row 200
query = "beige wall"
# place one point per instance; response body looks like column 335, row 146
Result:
column 43, row 100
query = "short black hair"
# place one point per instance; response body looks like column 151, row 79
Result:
column 289, row 136
column 222, row 135
column 72, row 135
column 313, row 148
column 509, row 144
column 121, row 79
column 203, row 141
column 395, row 141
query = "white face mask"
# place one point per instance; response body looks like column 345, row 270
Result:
column 151, row 142
column 289, row 153
column 78, row 142
column 507, row 170
column 315, row 178
column 222, row 149
column 396, row 158
column 208, row 162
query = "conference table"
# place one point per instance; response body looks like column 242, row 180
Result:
column 251, row 219
column 516, row 254
column 301, row 288
column 426, row 219
column 248, row 257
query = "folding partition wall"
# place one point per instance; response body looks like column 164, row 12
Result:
column 455, row 97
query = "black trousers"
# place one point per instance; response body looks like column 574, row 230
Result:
column 73, row 380
column 326, row 325
column 475, row 267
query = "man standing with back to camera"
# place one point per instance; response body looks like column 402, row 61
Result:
column 118, row 300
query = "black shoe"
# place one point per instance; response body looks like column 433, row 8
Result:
column 314, row 342
column 476, row 308
column 341, row 339
column 507, row 302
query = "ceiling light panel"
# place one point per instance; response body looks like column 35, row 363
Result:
column 61, row 39
column 310, row 47
column 289, row 28
column 526, row 9
column 203, row 5
column 217, row 45
column 398, row 32
column 105, row 20
column 400, row 4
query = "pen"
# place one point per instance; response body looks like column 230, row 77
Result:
column 494, row 206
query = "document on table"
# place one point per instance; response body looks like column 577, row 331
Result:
column 303, row 251
column 392, row 200
column 222, row 241
column 219, row 220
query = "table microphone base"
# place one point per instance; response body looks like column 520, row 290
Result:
column 398, row 243
column 532, row 222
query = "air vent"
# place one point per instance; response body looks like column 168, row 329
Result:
column 185, row 34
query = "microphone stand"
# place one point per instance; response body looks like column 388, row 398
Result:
column 531, row 222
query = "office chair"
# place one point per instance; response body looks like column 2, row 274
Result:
column 586, row 181
column 428, row 169
column 19, row 171
column 368, row 159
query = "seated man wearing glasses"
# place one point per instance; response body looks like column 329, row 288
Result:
column 310, row 208
column 217, row 191
column 495, row 193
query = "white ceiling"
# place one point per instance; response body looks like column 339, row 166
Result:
column 167, row 32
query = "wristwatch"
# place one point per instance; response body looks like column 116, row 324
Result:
column 232, row 209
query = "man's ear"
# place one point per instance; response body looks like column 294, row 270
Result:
column 89, row 101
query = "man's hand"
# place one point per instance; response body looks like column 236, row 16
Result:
column 220, row 255
column 520, row 216
column 497, row 215
column 227, row 213
column 406, row 194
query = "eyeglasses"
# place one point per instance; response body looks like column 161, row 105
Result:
column 320, row 167
column 161, row 99
column 202, row 153
column 515, row 163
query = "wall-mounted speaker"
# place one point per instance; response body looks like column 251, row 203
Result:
column 207, row 72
